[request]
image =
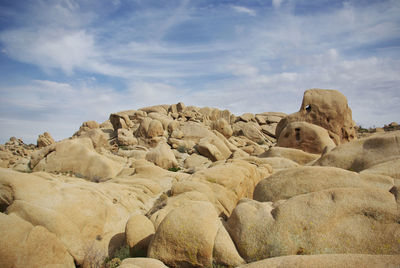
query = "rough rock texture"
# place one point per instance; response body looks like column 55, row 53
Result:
column 185, row 238
column 301, row 180
column 305, row 136
column 44, row 140
column 24, row 245
column 364, row 153
column 139, row 231
column 337, row 220
column 77, row 156
column 295, row 155
column 125, row 137
column 325, row 108
column 141, row 263
column 329, row 261
column 162, row 156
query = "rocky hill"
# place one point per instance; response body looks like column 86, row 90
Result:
column 182, row 186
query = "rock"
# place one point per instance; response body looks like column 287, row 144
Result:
column 224, row 251
column 87, row 218
column 186, row 236
column 332, row 221
column 250, row 130
column 99, row 138
column 269, row 129
column 162, row 156
column 77, row 156
column 195, row 161
column 295, row 155
column 389, row 168
column 155, row 129
column 120, row 120
column 304, row 136
column 141, row 263
column 328, row 260
column 327, row 109
column 278, row 163
column 223, row 127
column 213, row 148
column 22, row 165
column 301, row 180
column 86, row 126
column 161, row 109
column 125, row 137
column 247, row 117
column 24, row 245
column 44, row 140
column 139, row 231
column 393, row 124
column 364, row 153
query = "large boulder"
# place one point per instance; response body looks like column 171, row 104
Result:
column 185, row 238
column 301, row 180
column 296, row 155
column 139, row 231
column 337, row 220
column 328, row 261
column 325, row 108
column 88, row 218
column 305, row 136
column 25, row 245
column 44, row 140
column 76, row 156
column 141, row 263
column 125, row 137
column 364, row 153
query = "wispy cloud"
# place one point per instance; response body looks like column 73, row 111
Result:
column 149, row 52
column 246, row 10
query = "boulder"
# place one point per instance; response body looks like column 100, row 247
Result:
column 162, row 156
column 125, row 137
column 328, row 260
column 305, row 136
column 333, row 221
column 120, row 120
column 44, row 140
column 364, row 153
column 327, row 109
column 213, row 148
column 223, row 127
column 225, row 252
column 99, row 138
column 389, row 168
column 139, row 231
column 250, row 130
column 185, row 238
column 25, row 245
column 247, row 117
column 295, row 155
column 155, row 129
column 77, row 156
column 287, row 183
column 141, row 263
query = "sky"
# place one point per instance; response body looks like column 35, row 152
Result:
column 63, row 62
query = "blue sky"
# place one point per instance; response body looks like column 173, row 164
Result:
column 63, row 62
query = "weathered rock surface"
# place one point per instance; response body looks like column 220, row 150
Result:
column 139, row 231
column 337, row 220
column 364, row 153
column 142, row 263
column 44, row 140
column 325, row 108
column 329, row 261
column 305, row 136
column 295, row 155
column 162, row 156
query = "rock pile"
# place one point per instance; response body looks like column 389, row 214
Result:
column 182, row 186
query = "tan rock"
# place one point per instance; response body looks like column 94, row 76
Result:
column 301, row 180
column 328, row 260
column 247, row 117
column 250, row 130
column 278, row 163
column 161, row 109
column 325, row 108
column 389, row 168
column 155, row 129
column 120, row 120
column 142, row 263
column 24, row 245
column 77, row 156
column 333, row 221
column 296, row 155
column 213, row 148
column 305, row 136
column 125, row 137
column 195, row 161
column 224, row 251
column 99, row 138
column 44, row 140
column 223, row 127
column 139, row 231
column 186, row 236
column 162, row 156
column 364, row 153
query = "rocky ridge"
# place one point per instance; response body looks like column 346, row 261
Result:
column 183, row 186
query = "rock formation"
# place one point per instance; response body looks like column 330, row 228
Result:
column 183, row 186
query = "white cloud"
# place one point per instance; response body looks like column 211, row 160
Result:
column 245, row 10
column 277, row 3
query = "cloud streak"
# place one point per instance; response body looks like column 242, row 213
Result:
column 92, row 60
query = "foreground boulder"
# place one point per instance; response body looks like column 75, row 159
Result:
column 25, row 245
column 328, row 261
column 327, row 109
column 337, row 220
column 364, row 153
